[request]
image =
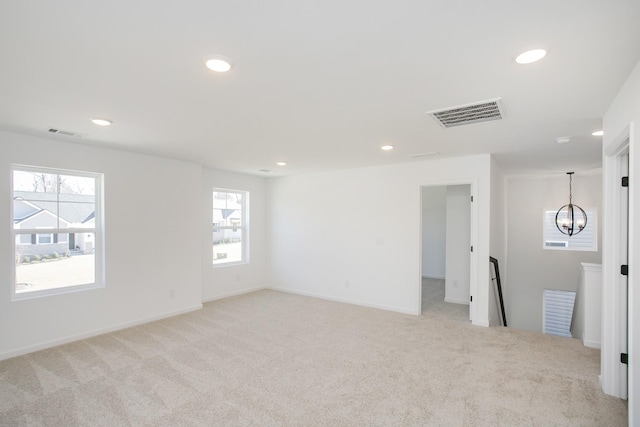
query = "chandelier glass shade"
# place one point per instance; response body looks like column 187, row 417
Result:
column 571, row 219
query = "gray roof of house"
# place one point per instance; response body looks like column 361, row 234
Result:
column 74, row 208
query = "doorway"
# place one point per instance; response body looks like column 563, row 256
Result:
column 446, row 246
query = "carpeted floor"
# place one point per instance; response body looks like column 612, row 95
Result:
column 433, row 301
column 271, row 358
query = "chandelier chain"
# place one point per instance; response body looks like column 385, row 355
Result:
column 570, row 181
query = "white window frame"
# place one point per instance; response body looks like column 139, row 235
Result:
column 243, row 227
column 97, row 229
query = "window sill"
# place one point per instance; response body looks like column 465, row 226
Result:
column 55, row 291
column 230, row 264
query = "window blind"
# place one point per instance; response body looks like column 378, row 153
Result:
column 557, row 308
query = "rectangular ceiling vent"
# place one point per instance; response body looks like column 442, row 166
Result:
column 66, row 133
column 476, row 112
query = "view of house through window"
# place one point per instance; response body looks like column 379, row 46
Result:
column 229, row 226
column 55, row 230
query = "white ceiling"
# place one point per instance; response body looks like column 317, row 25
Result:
column 320, row 84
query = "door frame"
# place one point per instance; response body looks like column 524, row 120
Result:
column 473, row 239
column 615, row 320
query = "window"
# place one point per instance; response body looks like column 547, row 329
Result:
column 45, row 239
column 586, row 240
column 230, row 231
column 557, row 312
column 57, row 231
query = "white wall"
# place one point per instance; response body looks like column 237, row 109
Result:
column 621, row 120
column 498, row 243
column 223, row 281
column 354, row 235
column 458, row 244
column 152, row 218
column 532, row 268
column 587, row 314
column 434, row 237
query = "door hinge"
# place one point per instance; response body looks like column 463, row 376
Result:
column 471, row 199
column 625, row 181
column 624, row 270
column 624, row 358
column 471, row 248
column 471, row 298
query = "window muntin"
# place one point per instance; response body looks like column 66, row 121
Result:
column 229, row 221
column 57, row 231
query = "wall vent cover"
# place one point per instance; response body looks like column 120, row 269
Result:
column 477, row 112
column 66, row 133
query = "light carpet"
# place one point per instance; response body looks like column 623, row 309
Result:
column 275, row 359
column 433, row 293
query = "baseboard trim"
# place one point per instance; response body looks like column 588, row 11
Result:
column 456, row 301
column 66, row 340
column 483, row 323
column 433, row 276
column 232, row 294
column 591, row 344
column 343, row 300
column 600, row 382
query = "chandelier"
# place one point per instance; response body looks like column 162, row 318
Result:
column 571, row 219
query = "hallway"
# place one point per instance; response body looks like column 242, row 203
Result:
column 433, row 301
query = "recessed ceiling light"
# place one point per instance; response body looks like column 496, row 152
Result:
column 531, row 56
column 281, row 163
column 598, row 133
column 219, row 64
column 563, row 139
column 101, row 122
column 386, row 147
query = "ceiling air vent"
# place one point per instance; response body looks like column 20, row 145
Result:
column 476, row 112
column 66, row 133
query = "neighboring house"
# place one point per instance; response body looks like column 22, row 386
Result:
column 227, row 218
column 37, row 211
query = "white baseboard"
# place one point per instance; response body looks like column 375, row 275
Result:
column 344, row 300
column 93, row 333
column 592, row 344
column 232, row 294
column 600, row 381
column 456, row 301
column 484, row 323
